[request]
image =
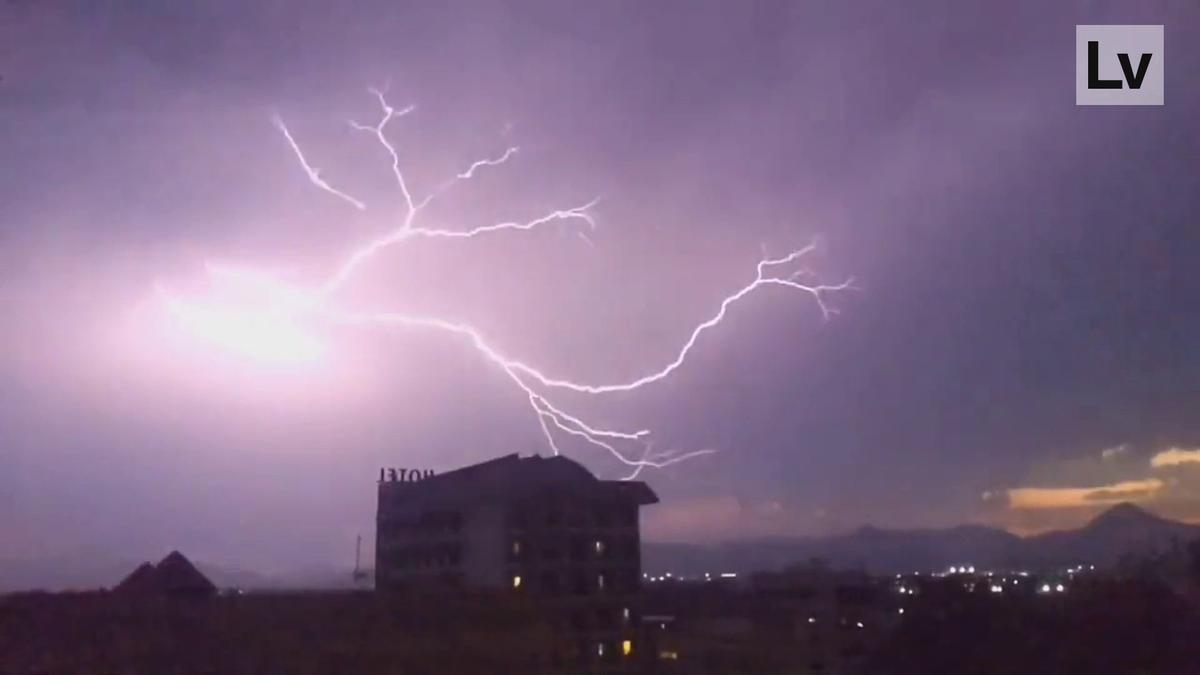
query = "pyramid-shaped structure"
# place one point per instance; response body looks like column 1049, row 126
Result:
column 174, row 575
column 141, row 580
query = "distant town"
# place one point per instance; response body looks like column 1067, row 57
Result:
column 533, row 565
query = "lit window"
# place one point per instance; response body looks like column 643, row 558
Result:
column 516, row 581
column 599, row 649
column 600, row 581
column 516, row 547
column 627, row 647
column 668, row 656
column 625, row 613
column 599, row 546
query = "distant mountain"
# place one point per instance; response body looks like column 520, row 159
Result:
column 1122, row 529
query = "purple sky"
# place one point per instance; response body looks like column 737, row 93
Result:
column 1026, row 316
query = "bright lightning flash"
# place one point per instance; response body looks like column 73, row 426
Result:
column 268, row 321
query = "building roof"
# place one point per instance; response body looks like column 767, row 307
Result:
column 514, row 476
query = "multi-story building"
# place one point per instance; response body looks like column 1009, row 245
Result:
column 538, row 526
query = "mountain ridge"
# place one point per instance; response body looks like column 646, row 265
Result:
column 1123, row 529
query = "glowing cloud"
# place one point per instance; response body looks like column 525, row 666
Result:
column 1175, row 457
column 260, row 333
column 1073, row 497
column 1115, row 452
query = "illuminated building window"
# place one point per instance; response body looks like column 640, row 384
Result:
column 599, row 649
column 668, row 655
column 516, row 547
column 599, row 546
column 516, row 581
column 627, row 647
column 600, row 581
column 625, row 613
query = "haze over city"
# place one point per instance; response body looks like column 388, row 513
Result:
column 1018, row 348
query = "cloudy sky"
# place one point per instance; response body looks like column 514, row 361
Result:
column 1020, row 349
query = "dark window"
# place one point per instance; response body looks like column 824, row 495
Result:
column 629, row 548
column 578, row 548
column 518, row 518
column 576, row 518
column 552, row 550
column 582, row 587
column 606, row 619
column 602, row 517
column 629, row 516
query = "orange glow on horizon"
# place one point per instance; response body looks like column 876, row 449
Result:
column 1072, row 497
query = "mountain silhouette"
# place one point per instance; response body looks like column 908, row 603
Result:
column 1124, row 529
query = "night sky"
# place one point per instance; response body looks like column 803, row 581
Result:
column 1021, row 349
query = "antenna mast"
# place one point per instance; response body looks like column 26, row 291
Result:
column 359, row 574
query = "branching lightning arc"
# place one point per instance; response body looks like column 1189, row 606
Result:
column 630, row 448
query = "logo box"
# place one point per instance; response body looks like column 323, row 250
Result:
column 1119, row 65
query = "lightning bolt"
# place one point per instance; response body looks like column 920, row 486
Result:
column 313, row 173
column 536, row 385
column 487, row 162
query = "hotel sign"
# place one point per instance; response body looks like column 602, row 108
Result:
column 392, row 475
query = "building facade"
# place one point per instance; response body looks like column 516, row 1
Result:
column 543, row 527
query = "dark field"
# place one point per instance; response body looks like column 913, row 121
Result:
column 361, row 633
